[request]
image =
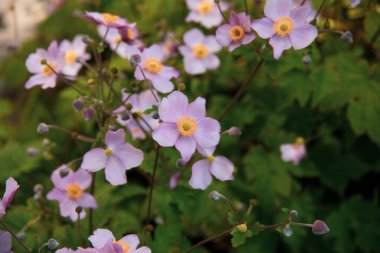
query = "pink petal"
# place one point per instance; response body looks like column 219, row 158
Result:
column 193, row 37
column 67, row 207
column 263, row 27
column 62, row 182
column 208, row 133
column 194, row 66
column 168, row 73
column 100, row 237
column 161, row 84
column 212, row 45
column 115, row 139
column 186, row 146
column 129, row 156
column 5, row 241
column 33, row 63
column 173, row 107
column 197, row 109
column 303, row 36
column 222, row 168
column 87, row 201
column 200, row 176
column 115, row 171
column 94, row 160
column 83, row 178
column 275, row 9
column 166, row 134
column 57, row 194
column 132, row 240
column 10, row 190
column 143, row 249
column 155, row 51
column 279, row 44
column 211, row 61
column 223, row 35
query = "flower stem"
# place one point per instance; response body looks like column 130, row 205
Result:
column 246, row 7
column 221, row 12
column 320, row 9
column 91, row 212
column 152, row 185
column 220, row 235
column 14, row 236
column 78, row 230
column 240, row 91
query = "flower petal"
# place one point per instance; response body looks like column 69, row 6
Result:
column 200, row 176
column 197, row 109
column 279, row 44
column 115, row 171
column 208, row 133
column 115, row 139
column 223, row 35
column 222, row 168
column 275, row 9
column 94, row 160
column 161, row 84
column 303, row 36
column 194, row 66
column 186, row 146
column 166, row 134
column 87, row 201
column 173, row 107
column 263, row 27
column 211, row 61
column 132, row 240
column 100, row 238
column 193, row 37
column 130, row 156
column 83, row 178
column 10, row 190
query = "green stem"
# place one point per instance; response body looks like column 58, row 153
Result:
column 152, row 185
column 220, row 235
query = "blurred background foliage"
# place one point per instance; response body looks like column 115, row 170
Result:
column 334, row 103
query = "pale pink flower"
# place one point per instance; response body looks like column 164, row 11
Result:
column 10, row 190
column 106, row 19
column 205, row 12
column 293, row 152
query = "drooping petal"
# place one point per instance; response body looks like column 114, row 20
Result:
column 279, row 44
column 35, row 80
column 100, row 237
column 130, row 156
column 166, row 134
column 200, row 176
column 186, row 146
column 10, row 190
column 173, row 107
column 303, row 36
column 208, row 133
column 275, row 9
column 197, row 109
column 94, row 160
column 115, row 171
column 263, row 27
column 132, row 240
column 222, row 168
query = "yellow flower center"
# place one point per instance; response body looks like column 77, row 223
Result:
column 108, row 152
column 205, row 7
column 70, row 56
column 210, row 158
column 300, row 140
column 48, row 70
column 186, row 126
column 124, row 246
column 117, row 40
column 153, row 65
column 283, row 26
column 200, row 51
column 130, row 34
column 236, row 33
column 74, row 191
column 109, row 18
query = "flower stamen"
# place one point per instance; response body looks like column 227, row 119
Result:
column 125, row 246
column 153, row 65
column 236, row 33
column 186, row 126
column 109, row 18
column 200, row 51
column 205, row 7
column 283, row 26
column 74, row 191
column 70, row 56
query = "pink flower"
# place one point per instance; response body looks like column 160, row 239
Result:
column 116, row 158
column 205, row 12
column 174, row 178
column 10, row 190
column 104, row 240
column 355, row 3
column 5, row 242
column 218, row 166
column 73, row 51
column 238, row 32
column 152, row 69
column 286, row 27
column 185, row 125
column 69, row 191
column 299, row 3
column 199, row 52
column 140, row 103
column 43, row 74
column 293, row 152
column 106, row 19
column 79, row 250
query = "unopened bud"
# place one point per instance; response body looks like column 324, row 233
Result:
column 319, row 228
column 347, row 37
column 21, row 235
column 253, row 202
column 45, row 142
column 38, row 188
column 181, row 86
column 31, row 151
column 78, row 105
column 306, row 59
column 52, row 244
column 124, row 116
column 155, row 115
column 37, row 197
column 135, row 60
column 214, row 195
column 114, row 71
column 64, row 172
column 149, row 228
column 179, row 163
column 78, row 209
column 242, row 228
column 42, row 128
column 287, row 231
column 174, row 180
column 128, row 106
column 293, row 214
column 234, row 131
column 88, row 113
column 86, row 40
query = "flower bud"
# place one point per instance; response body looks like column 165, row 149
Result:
column 179, row 163
column 181, row 86
column 234, row 131
column 45, row 142
column 128, row 106
column 52, row 244
column 135, row 60
column 174, row 180
column 124, row 116
column 38, row 188
column 155, row 115
column 31, row 151
column 37, row 197
column 78, row 209
column 42, row 128
column 319, row 228
column 64, row 172
column 242, row 228
column 347, row 37
column 214, row 195
column 293, row 214
column 43, row 62
column 287, row 231
column 114, row 71
column 88, row 114
column 86, row 39
column 21, row 235
column 78, row 105
column 306, row 59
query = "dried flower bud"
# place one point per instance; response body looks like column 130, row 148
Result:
column 214, row 195
column 242, row 228
column 31, row 151
column 78, row 105
column 253, row 202
column 181, row 86
column 319, row 228
column 52, row 244
column 234, row 131
column 287, row 231
column 347, row 37
column 149, row 228
column 135, row 60
column 42, row 128
column 88, row 113
column 38, row 188
column 306, row 59
column 293, row 214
